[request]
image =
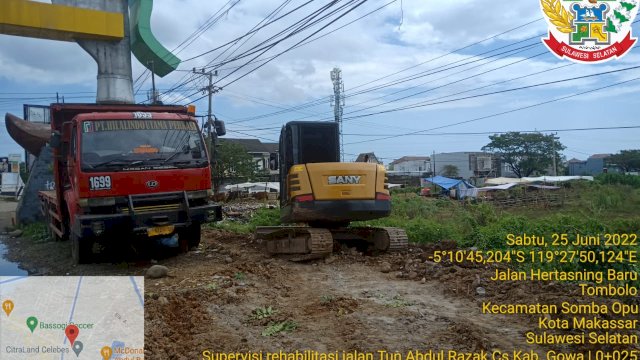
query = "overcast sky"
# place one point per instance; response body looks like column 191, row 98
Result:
column 408, row 34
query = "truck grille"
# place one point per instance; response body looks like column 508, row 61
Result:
column 152, row 208
column 147, row 203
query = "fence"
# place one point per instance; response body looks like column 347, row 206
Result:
column 525, row 197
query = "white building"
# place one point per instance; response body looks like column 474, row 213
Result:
column 411, row 164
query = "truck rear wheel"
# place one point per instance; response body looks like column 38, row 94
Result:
column 190, row 236
column 80, row 250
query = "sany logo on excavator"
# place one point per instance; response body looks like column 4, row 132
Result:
column 349, row 179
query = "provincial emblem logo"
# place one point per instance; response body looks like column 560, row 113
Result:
column 589, row 31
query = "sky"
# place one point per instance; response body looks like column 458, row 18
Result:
column 448, row 56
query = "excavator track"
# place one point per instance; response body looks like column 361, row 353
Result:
column 398, row 239
column 297, row 243
column 380, row 239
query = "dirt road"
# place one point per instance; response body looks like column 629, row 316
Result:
column 345, row 303
column 394, row 302
column 7, row 267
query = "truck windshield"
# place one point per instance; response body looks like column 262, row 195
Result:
column 141, row 145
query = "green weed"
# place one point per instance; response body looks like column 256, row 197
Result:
column 326, row 299
column 397, row 302
column 263, row 313
column 240, row 276
column 37, row 231
column 283, row 326
column 211, row 286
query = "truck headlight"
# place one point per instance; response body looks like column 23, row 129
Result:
column 199, row 194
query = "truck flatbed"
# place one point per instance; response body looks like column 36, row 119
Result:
column 51, row 213
column 48, row 194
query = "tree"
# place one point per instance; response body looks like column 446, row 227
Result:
column 526, row 153
column 628, row 160
column 232, row 162
column 450, row 171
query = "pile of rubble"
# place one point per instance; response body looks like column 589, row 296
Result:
column 243, row 210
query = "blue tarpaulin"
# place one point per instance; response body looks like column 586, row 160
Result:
column 446, row 183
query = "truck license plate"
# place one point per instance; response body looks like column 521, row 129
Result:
column 160, row 230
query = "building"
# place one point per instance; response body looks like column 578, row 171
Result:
column 471, row 165
column 594, row 165
column 263, row 154
column 411, row 164
column 368, row 157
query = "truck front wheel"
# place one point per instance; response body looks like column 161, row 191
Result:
column 189, row 237
column 80, row 249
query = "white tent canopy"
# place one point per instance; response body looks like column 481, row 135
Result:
column 253, row 187
column 546, row 179
column 497, row 187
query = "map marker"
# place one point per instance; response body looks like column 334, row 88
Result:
column 72, row 333
column 106, row 352
column 7, row 306
column 77, row 347
column 32, row 322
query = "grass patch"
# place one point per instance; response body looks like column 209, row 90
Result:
column 262, row 217
column 397, row 302
column 36, row 231
column 610, row 204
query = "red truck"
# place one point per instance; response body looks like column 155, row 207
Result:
column 127, row 174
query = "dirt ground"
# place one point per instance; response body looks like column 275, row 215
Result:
column 394, row 302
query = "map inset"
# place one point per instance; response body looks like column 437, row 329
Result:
column 72, row 317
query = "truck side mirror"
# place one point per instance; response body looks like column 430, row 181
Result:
column 221, row 130
column 55, row 141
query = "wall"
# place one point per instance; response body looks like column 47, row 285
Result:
column 458, row 159
column 413, row 165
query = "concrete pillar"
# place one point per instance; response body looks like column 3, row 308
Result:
column 115, row 83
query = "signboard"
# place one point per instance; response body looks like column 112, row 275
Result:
column 15, row 157
column 35, row 113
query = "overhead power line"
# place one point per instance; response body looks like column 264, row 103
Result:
column 320, row 100
column 431, row 103
column 290, row 48
column 505, row 132
column 250, row 32
column 500, row 113
column 263, row 45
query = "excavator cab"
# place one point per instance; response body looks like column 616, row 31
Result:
column 303, row 142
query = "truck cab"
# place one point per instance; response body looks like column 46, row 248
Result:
column 128, row 173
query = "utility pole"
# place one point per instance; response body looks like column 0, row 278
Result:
column 433, row 171
column 553, row 153
column 154, row 93
column 210, row 89
column 337, row 102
